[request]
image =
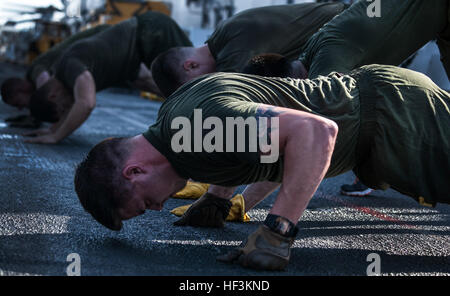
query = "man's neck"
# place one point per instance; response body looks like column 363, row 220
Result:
column 146, row 153
column 299, row 70
column 205, row 52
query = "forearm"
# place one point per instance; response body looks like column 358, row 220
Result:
column 256, row 192
column 84, row 103
column 220, row 191
column 75, row 118
column 54, row 127
column 306, row 161
column 253, row 193
column 145, row 81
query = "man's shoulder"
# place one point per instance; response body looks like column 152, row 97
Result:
column 203, row 91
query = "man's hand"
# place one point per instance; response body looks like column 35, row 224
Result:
column 84, row 96
column 208, row 211
column 38, row 132
column 44, row 139
column 236, row 213
column 25, row 121
column 263, row 249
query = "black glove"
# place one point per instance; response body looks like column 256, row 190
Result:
column 208, row 211
column 264, row 249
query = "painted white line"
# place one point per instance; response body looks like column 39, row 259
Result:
column 196, row 242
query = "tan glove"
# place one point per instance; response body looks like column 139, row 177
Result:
column 236, row 214
column 263, row 249
column 192, row 190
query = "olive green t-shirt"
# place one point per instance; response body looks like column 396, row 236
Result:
column 46, row 60
column 111, row 57
column 282, row 29
column 230, row 95
column 158, row 33
column 114, row 56
column 354, row 39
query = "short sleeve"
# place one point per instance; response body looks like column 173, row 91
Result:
column 340, row 58
column 241, row 128
column 68, row 71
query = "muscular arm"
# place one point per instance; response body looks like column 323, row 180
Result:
column 307, row 142
column 84, row 96
column 256, row 192
column 220, row 191
column 253, row 193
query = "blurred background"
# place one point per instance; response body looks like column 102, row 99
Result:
column 29, row 28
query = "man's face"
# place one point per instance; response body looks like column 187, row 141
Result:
column 61, row 97
column 132, row 208
column 143, row 199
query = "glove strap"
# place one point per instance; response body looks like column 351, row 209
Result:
column 281, row 225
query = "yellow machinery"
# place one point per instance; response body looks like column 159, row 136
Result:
column 120, row 10
column 113, row 12
column 51, row 34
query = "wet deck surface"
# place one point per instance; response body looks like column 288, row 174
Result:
column 42, row 221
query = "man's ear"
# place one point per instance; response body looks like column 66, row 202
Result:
column 132, row 171
column 190, row 65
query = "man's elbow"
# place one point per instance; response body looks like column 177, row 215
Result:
column 326, row 132
column 85, row 90
column 331, row 129
column 321, row 132
column 88, row 103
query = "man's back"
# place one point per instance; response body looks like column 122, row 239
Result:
column 354, row 39
column 110, row 62
column 114, row 56
column 282, row 29
column 231, row 95
column 47, row 59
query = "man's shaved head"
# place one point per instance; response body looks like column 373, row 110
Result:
column 269, row 65
column 99, row 183
column 167, row 69
column 16, row 92
column 51, row 101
